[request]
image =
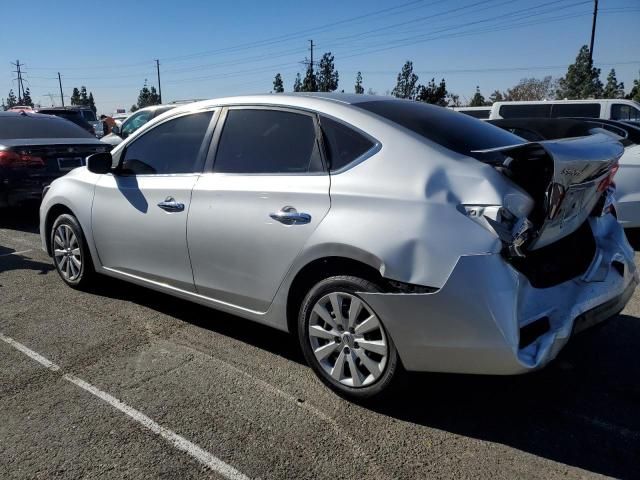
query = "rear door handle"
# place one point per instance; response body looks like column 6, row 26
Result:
column 289, row 216
column 170, row 205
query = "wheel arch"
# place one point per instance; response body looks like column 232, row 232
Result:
column 54, row 212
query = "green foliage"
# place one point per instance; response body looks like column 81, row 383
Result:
column 582, row 79
column 11, row 101
column 406, row 82
column 327, row 74
column 297, row 84
column 278, row 85
column 478, row 99
column 359, row 89
column 75, row 97
column 134, row 108
column 26, row 98
column 81, row 98
column 432, row 93
column 634, row 94
column 92, row 103
column 496, row 96
column 310, row 82
column 148, row 96
column 613, row 89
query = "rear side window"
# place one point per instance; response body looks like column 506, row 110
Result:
column 620, row 111
column 343, row 144
column 482, row 114
column 39, row 126
column 591, row 110
column 452, row 130
column 525, row 111
column 171, row 147
column 268, row 142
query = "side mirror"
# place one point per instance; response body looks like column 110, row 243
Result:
column 99, row 162
column 115, row 130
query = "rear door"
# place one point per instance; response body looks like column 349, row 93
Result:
column 254, row 209
column 139, row 215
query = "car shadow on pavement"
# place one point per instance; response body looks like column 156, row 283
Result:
column 261, row 336
column 19, row 262
column 582, row 410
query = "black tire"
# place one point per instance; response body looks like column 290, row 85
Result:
column 393, row 370
column 86, row 270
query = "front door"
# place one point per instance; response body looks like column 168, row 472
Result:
column 139, row 215
column 253, row 213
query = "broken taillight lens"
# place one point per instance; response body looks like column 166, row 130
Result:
column 608, row 180
column 19, row 160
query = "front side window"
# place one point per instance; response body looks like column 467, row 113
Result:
column 134, row 122
column 267, row 142
column 343, row 144
column 621, row 111
column 171, row 147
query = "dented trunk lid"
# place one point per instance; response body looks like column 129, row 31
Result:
column 563, row 177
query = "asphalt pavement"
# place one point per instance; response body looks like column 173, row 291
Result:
column 142, row 385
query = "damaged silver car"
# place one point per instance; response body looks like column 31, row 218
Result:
column 387, row 235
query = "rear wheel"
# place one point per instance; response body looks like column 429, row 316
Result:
column 71, row 255
column 344, row 340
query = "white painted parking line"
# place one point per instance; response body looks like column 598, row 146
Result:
column 176, row 440
column 17, row 253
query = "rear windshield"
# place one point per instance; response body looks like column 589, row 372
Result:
column 37, row 126
column 455, row 131
column 89, row 116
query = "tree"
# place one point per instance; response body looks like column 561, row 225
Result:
column 532, row 89
column 310, row 82
column 133, row 108
column 148, row 96
column 478, row 99
column 613, row 89
column 11, row 101
column 327, row 74
column 84, row 99
column 278, row 86
column 634, row 94
column 496, row 96
column 582, row 79
column 432, row 93
column 406, row 82
column 297, row 84
column 359, row 89
column 371, row 91
column 26, row 98
column 75, row 97
column 92, row 103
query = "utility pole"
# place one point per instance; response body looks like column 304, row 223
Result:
column 593, row 29
column 61, row 94
column 311, row 63
column 159, row 87
column 20, row 86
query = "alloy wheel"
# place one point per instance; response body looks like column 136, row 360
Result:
column 67, row 253
column 348, row 339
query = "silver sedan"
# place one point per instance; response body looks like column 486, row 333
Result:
column 386, row 235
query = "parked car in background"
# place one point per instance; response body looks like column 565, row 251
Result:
column 482, row 113
column 618, row 109
column 21, row 108
column 74, row 116
column 385, row 233
column 627, row 182
column 134, row 121
column 36, row 149
column 120, row 117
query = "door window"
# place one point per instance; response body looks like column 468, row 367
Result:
column 621, row 111
column 171, row 147
column 268, row 142
column 343, row 144
column 525, row 111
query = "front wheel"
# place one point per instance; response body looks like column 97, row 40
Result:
column 344, row 341
column 71, row 255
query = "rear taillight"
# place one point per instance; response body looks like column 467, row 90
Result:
column 19, row 160
column 608, row 181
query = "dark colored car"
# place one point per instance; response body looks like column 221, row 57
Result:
column 74, row 116
column 35, row 149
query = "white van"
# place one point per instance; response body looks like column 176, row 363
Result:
column 611, row 109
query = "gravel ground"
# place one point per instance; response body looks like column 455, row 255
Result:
column 242, row 393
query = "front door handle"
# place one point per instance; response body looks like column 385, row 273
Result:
column 289, row 216
column 170, row 205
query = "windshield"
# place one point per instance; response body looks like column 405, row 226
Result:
column 455, row 131
column 36, row 126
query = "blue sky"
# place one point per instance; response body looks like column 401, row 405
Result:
column 208, row 48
